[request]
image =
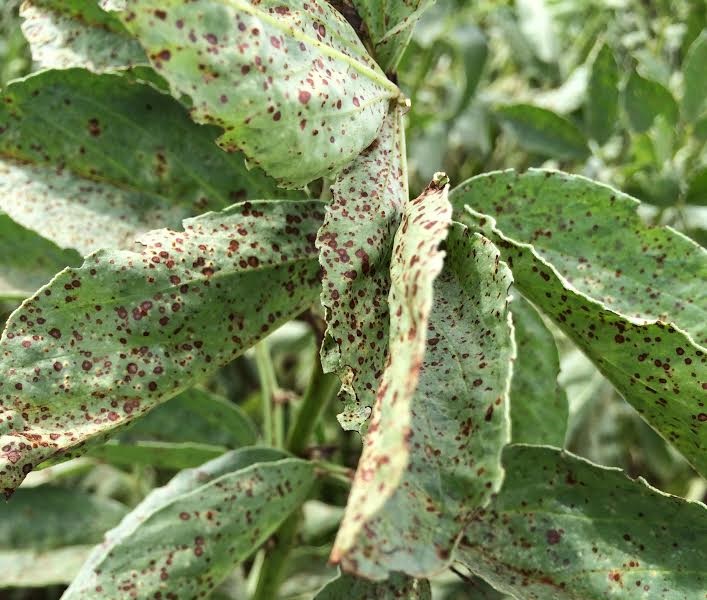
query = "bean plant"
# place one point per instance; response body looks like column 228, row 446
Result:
column 183, row 185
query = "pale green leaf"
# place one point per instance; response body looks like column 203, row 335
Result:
column 644, row 99
column 103, row 344
column 91, row 161
column 589, row 267
column 188, row 536
column 288, row 80
column 694, row 99
column 28, row 568
column 432, row 452
column 602, row 102
column 355, row 245
column 397, row 587
column 563, row 528
column 389, row 26
column 27, row 260
column 165, row 455
column 543, row 131
column 77, row 33
column 538, row 404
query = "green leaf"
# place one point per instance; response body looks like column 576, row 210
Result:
column 543, row 131
column 588, row 268
column 694, row 96
column 432, row 452
column 697, row 188
column 165, row 455
column 47, row 517
column 602, row 103
column 355, row 245
column 195, row 416
column 644, row 99
column 563, row 528
column 27, row 260
column 103, row 344
column 389, row 26
column 397, row 587
column 77, row 33
column 538, row 404
column 288, row 80
column 188, row 536
column 91, row 161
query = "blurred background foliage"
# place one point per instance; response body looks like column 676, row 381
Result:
column 611, row 89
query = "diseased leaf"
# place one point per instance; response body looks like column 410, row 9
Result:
column 540, row 130
column 644, row 99
column 103, row 344
column 563, row 528
column 694, row 98
column 47, row 517
column 432, row 452
column 91, row 161
column 591, row 262
column 538, row 404
column 289, row 82
column 397, row 587
column 77, row 33
column 27, row 260
column 30, row 568
column 602, row 103
column 189, row 535
column 355, row 245
column 166, row 455
column 389, row 26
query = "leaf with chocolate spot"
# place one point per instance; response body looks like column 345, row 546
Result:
column 562, row 528
column 589, row 267
column 355, row 245
column 188, row 535
column 539, row 407
column 289, row 82
column 389, row 26
column 102, row 344
column 91, row 161
column 78, row 33
column 27, row 260
column 397, row 587
column 432, row 452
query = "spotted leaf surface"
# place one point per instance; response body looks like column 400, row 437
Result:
column 656, row 366
column 390, row 25
column 78, row 33
column 538, row 404
column 289, row 81
column 432, row 452
column 190, row 537
column 397, row 587
column 27, row 260
column 91, row 161
column 563, row 528
column 355, row 245
column 102, row 344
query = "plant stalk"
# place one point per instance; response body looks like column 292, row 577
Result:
column 273, row 417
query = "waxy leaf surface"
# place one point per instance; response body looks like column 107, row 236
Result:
column 91, row 161
column 102, row 344
column 397, row 587
column 389, row 26
column 190, row 534
column 78, row 33
column 538, row 404
column 589, row 267
column 562, row 528
column 355, row 245
column 288, row 80
column 432, row 452
column 27, row 260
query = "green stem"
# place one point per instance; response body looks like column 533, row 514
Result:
column 273, row 569
column 319, row 391
column 273, row 419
